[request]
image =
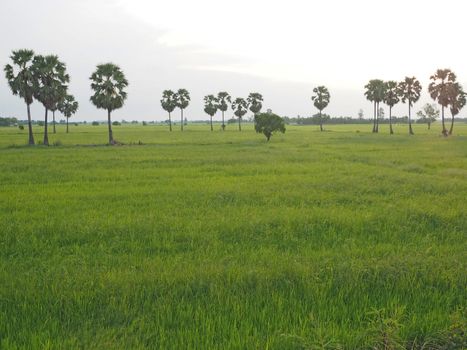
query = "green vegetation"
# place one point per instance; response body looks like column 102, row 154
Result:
column 344, row 239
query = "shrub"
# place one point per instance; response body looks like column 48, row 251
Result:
column 95, row 123
column 21, row 127
column 116, row 123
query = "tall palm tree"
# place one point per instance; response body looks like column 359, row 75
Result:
column 50, row 78
column 457, row 101
column 210, row 106
column 109, row 84
column 391, row 98
column 169, row 103
column 370, row 96
column 183, row 100
column 21, row 82
column 240, row 107
column 439, row 90
column 410, row 90
column 254, row 100
column 223, row 104
column 68, row 106
column 321, row 100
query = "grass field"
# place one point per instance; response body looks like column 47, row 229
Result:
column 201, row 240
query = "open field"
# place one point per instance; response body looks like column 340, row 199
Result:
column 222, row 241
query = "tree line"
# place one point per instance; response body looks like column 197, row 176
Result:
column 443, row 89
column 44, row 78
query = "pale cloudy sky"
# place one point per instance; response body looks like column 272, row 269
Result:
column 281, row 49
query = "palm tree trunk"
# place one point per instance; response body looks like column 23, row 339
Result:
column 320, row 122
column 109, row 123
column 442, row 121
column 46, row 135
column 410, row 123
column 429, row 125
column 211, row 123
column 67, row 125
column 53, row 118
column 452, row 125
column 223, row 124
column 239, row 123
column 390, row 121
column 181, row 120
column 377, row 117
column 374, row 116
column 31, row 135
column 170, row 123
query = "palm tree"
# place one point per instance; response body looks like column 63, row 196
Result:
column 321, row 101
column 22, row 83
column 410, row 90
column 439, row 90
column 68, row 106
column 108, row 83
column 50, row 78
column 210, row 106
column 169, row 103
column 240, row 107
column 457, row 101
column 391, row 98
column 375, row 93
column 223, row 99
column 254, row 102
column 54, row 109
column 182, row 98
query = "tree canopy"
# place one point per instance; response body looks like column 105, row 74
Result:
column 268, row 123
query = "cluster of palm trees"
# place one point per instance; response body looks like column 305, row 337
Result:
column 212, row 103
column 443, row 88
column 43, row 78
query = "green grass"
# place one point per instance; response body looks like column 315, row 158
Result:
column 222, row 241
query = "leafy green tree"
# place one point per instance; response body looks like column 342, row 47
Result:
column 169, row 103
column 109, row 84
column 375, row 93
column 410, row 90
column 182, row 97
column 391, row 98
column 268, row 123
column 321, row 100
column 223, row 99
column 457, row 100
column 255, row 100
column 240, row 107
column 428, row 114
column 51, row 80
column 210, row 106
column 21, row 81
column 68, row 106
column 439, row 90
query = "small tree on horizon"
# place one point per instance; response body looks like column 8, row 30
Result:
column 321, row 100
column 210, row 106
column 428, row 114
column 68, row 106
column 21, row 82
column 240, row 107
column 268, row 123
column 169, row 103
column 109, row 84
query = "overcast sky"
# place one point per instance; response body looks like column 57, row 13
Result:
column 281, row 49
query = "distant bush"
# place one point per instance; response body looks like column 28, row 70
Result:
column 95, row 123
column 75, row 124
column 145, row 123
column 40, row 123
column 116, row 123
column 21, row 127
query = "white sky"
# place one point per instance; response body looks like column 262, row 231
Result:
column 279, row 48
